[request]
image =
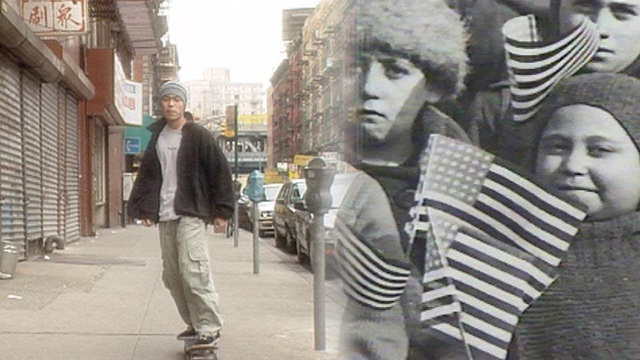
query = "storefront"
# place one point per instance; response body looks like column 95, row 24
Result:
column 43, row 93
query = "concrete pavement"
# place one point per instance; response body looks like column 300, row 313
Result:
column 103, row 298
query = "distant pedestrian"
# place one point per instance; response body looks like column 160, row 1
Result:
column 188, row 116
column 183, row 184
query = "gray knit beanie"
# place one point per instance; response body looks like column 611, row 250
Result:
column 616, row 94
column 174, row 88
column 427, row 31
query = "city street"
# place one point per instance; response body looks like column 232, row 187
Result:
column 103, row 298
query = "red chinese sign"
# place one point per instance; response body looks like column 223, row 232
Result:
column 55, row 17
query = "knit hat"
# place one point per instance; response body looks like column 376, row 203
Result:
column 174, row 88
column 430, row 33
column 616, row 94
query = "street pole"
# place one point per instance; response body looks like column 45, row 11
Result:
column 256, row 243
column 318, row 281
column 236, row 219
column 236, row 196
column 235, row 224
column 318, row 177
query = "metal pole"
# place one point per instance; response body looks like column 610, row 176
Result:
column 235, row 140
column 256, row 244
column 318, row 281
column 236, row 225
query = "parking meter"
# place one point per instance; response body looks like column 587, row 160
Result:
column 318, row 178
column 255, row 191
column 255, row 186
column 318, row 200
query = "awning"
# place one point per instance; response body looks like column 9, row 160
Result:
column 143, row 26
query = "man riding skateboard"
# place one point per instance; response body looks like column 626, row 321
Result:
column 184, row 183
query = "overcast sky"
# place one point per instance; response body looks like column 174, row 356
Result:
column 243, row 35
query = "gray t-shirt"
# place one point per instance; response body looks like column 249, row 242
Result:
column 167, row 149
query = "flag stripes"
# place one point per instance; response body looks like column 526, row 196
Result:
column 537, row 66
column 503, row 262
column 480, row 220
column 518, row 205
column 558, row 209
column 490, row 298
column 368, row 277
column 492, row 251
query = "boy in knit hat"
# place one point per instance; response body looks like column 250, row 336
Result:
column 588, row 149
column 411, row 56
column 183, row 184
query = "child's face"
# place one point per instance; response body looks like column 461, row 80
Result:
column 589, row 157
column 393, row 92
column 619, row 26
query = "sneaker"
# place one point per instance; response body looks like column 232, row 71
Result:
column 188, row 334
column 206, row 340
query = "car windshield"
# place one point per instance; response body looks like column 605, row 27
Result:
column 270, row 192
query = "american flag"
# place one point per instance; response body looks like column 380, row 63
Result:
column 536, row 65
column 368, row 276
column 493, row 242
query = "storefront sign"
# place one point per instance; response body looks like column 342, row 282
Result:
column 127, row 96
column 131, row 146
column 55, row 17
column 258, row 119
column 302, row 160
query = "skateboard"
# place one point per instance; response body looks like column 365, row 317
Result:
column 199, row 352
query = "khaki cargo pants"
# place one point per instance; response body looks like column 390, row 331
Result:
column 187, row 274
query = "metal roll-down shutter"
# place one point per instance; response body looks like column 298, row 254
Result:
column 11, row 171
column 32, row 155
column 50, row 162
column 72, row 201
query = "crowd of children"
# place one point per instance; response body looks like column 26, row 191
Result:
column 584, row 140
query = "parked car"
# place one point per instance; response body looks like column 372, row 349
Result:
column 283, row 213
column 265, row 209
column 304, row 218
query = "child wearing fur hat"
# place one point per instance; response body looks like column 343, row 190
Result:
column 588, row 149
column 412, row 55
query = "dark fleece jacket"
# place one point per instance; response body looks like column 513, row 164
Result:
column 205, row 189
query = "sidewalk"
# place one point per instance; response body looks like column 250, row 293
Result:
column 103, row 298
